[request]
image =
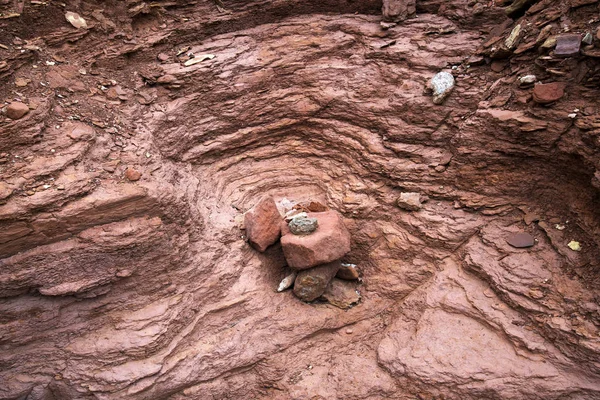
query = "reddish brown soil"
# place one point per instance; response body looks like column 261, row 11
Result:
column 123, row 269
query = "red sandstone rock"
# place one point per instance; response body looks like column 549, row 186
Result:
column 16, row 110
column 181, row 308
column 133, row 174
column 331, row 241
column 498, row 65
column 311, row 283
column 548, row 92
column 263, row 224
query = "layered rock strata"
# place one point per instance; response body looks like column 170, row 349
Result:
column 113, row 288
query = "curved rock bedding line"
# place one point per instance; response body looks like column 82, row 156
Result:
column 142, row 286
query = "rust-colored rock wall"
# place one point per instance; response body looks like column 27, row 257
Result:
column 123, row 269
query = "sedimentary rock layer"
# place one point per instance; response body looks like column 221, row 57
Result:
column 146, row 289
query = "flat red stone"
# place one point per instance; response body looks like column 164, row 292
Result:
column 548, row 92
column 521, row 240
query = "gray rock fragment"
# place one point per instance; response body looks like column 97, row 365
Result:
column 303, row 225
column 568, row 45
column 442, row 85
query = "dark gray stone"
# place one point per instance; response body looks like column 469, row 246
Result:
column 302, row 225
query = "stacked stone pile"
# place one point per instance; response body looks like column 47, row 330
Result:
column 313, row 244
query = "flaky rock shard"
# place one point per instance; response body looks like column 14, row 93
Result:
column 519, row 7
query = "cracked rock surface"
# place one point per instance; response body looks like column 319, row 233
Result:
column 145, row 288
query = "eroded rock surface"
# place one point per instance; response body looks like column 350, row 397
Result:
column 112, row 288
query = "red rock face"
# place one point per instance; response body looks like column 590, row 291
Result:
column 262, row 224
column 114, row 289
column 330, row 242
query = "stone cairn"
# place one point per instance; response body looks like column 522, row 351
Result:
column 313, row 244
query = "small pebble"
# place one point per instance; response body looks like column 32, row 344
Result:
column 287, row 282
column 133, row 174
